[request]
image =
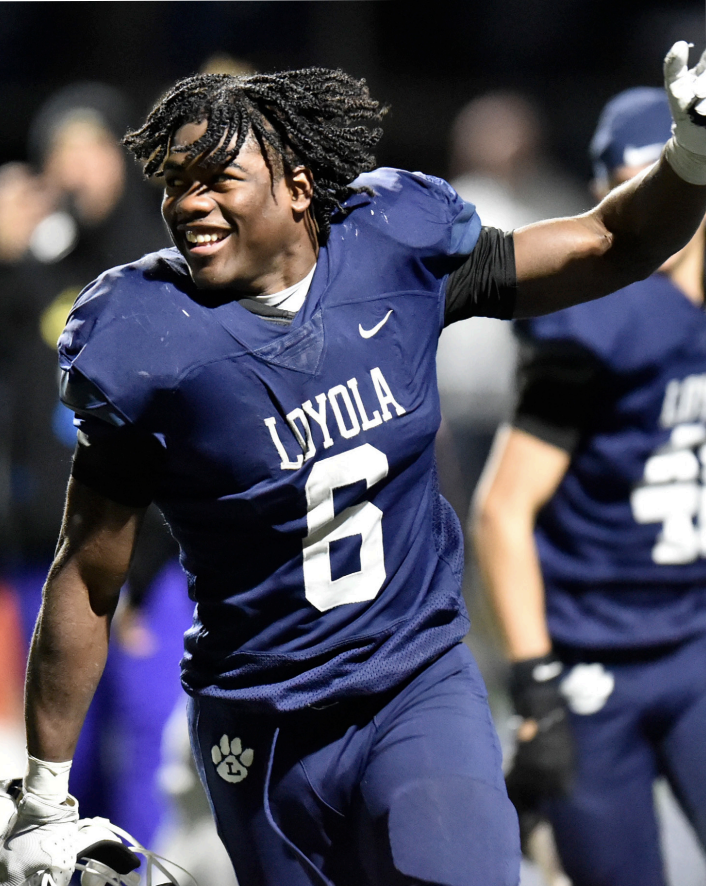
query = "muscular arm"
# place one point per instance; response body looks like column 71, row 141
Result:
column 521, row 476
column 70, row 642
column 625, row 238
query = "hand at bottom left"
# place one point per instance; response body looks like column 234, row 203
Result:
column 38, row 846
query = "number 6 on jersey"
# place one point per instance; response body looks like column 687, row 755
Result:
column 364, row 519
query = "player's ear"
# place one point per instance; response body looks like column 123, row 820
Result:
column 301, row 186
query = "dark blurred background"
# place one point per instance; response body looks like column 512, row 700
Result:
column 569, row 54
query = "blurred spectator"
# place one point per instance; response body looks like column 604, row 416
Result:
column 497, row 162
column 223, row 63
column 102, row 217
column 24, row 202
column 95, row 213
column 12, row 671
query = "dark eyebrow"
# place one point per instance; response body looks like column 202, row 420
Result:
column 173, row 166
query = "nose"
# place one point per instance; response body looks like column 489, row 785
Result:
column 197, row 201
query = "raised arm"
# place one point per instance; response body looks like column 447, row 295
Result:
column 635, row 228
column 70, row 642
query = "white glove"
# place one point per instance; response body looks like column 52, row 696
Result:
column 38, row 847
column 686, row 91
column 8, row 805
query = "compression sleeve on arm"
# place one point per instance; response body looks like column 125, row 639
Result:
column 485, row 285
column 557, row 385
column 121, row 464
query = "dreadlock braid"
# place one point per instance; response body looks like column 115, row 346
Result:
column 313, row 117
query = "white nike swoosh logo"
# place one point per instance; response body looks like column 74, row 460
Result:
column 369, row 333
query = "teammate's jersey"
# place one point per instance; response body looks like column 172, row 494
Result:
column 622, row 542
column 299, row 478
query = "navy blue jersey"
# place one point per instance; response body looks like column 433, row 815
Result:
column 623, row 540
column 299, row 469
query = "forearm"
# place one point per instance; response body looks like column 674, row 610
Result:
column 67, row 658
column 70, row 642
column 507, row 556
column 649, row 218
column 624, row 239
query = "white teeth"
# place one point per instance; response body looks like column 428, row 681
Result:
column 192, row 237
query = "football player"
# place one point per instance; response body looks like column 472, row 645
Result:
column 270, row 384
column 591, row 533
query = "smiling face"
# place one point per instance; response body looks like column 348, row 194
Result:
column 237, row 226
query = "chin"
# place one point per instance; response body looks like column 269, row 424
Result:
column 204, row 279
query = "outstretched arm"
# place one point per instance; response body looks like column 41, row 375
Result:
column 625, row 238
column 70, row 642
column 635, row 228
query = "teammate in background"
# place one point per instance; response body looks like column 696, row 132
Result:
column 591, row 535
column 270, row 383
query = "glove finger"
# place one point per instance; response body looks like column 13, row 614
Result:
column 701, row 64
column 676, row 61
column 699, row 86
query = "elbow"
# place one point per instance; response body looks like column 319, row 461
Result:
column 598, row 243
column 631, row 261
column 485, row 521
column 499, row 521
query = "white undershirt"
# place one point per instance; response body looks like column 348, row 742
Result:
column 290, row 299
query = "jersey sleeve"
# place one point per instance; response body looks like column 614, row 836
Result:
column 420, row 211
column 465, row 225
column 113, row 456
column 557, row 391
column 485, row 285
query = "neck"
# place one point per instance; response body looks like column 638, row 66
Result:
column 295, row 261
column 289, row 274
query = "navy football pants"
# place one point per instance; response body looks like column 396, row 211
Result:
column 402, row 791
column 653, row 723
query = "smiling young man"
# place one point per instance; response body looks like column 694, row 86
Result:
column 246, row 221
column 270, row 383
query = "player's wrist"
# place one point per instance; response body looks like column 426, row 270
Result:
column 534, row 685
column 47, row 781
column 40, row 811
column 688, row 165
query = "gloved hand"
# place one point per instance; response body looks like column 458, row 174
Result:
column 9, row 794
column 686, row 91
column 544, row 761
column 40, row 838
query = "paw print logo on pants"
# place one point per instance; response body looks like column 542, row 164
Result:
column 231, row 761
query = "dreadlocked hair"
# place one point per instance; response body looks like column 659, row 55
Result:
column 313, row 117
